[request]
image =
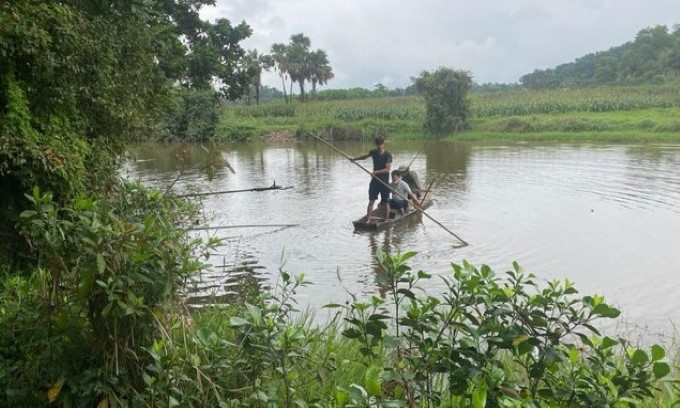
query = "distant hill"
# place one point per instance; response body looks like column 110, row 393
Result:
column 653, row 57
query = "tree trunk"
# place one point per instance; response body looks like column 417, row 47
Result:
column 302, row 90
column 283, row 82
column 314, row 89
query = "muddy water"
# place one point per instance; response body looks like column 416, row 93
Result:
column 606, row 216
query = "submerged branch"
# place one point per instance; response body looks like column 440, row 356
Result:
column 243, row 226
column 272, row 187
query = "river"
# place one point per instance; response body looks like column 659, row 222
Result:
column 605, row 216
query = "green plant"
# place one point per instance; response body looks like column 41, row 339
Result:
column 490, row 342
column 270, row 343
column 105, row 270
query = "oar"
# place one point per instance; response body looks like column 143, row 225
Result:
column 388, row 186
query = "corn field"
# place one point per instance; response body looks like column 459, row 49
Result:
column 483, row 104
column 600, row 99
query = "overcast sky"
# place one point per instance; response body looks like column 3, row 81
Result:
column 388, row 41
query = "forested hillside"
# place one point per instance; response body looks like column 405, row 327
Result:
column 653, row 56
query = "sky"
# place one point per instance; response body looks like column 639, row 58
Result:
column 389, row 41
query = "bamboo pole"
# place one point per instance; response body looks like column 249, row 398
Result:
column 391, row 189
column 427, row 192
column 422, row 149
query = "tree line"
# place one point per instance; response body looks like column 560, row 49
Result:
column 653, row 56
column 294, row 62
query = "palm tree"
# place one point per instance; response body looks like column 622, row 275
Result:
column 279, row 60
column 320, row 72
column 298, row 61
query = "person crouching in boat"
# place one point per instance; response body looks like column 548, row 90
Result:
column 398, row 202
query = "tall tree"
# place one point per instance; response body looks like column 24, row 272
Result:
column 255, row 63
column 320, row 71
column 446, row 99
column 79, row 79
column 280, row 59
column 298, row 60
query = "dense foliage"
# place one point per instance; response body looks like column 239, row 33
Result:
column 485, row 341
column 447, row 106
column 107, row 271
column 653, row 56
column 89, row 265
column 80, row 79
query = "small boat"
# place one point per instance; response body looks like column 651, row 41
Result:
column 376, row 221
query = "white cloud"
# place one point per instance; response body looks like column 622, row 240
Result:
column 388, row 41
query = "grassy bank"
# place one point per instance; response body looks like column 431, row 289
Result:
column 603, row 113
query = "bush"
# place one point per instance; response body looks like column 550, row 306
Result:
column 105, row 272
column 491, row 342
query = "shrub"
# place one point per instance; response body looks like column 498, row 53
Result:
column 495, row 342
column 105, row 272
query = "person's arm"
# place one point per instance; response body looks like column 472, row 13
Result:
column 386, row 169
column 411, row 195
column 362, row 157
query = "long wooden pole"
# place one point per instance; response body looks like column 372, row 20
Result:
column 417, row 154
column 427, row 192
column 388, row 186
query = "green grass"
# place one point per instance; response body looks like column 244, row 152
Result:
column 650, row 112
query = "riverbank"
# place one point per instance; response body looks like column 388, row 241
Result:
column 642, row 113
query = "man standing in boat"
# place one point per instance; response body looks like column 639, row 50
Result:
column 380, row 177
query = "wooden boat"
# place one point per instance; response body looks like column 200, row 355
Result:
column 376, row 221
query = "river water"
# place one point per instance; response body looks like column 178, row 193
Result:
column 605, row 216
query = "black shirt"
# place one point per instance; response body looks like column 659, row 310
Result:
column 380, row 162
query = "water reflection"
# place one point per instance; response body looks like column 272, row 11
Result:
column 606, row 216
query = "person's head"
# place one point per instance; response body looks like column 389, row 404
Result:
column 396, row 175
column 379, row 141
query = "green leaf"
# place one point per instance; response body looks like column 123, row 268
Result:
column 373, row 381
column 408, row 255
column 519, row 340
column 661, row 369
column 206, row 336
column 479, row 396
column 357, row 392
column 236, row 321
column 341, row 394
column 351, row 333
column 639, row 357
column 658, row 352
column 608, row 342
column 574, row 355
column 254, row 312
column 406, row 293
column 101, row 264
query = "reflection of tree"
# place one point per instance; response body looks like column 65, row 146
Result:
column 389, row 241
column 447, row 157
column 380, row 242
column 167, row 158
column 449, row 160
